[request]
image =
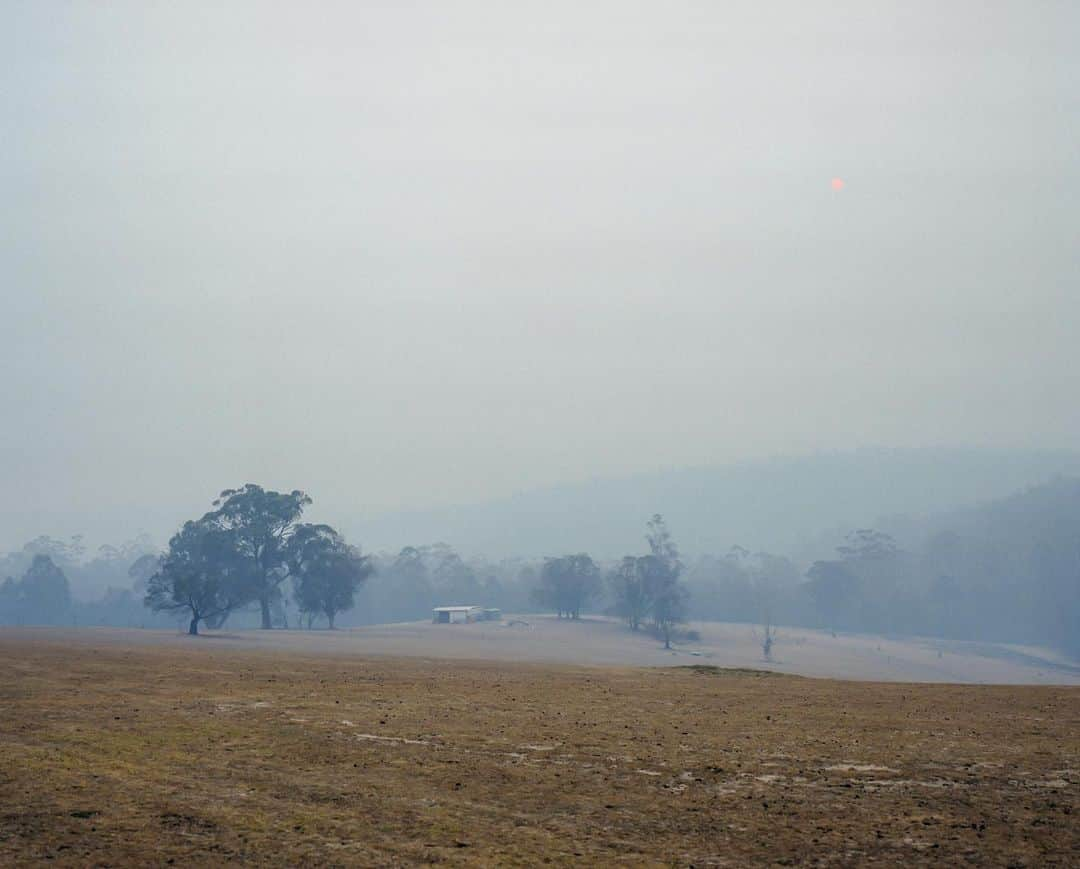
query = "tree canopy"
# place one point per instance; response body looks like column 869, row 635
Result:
column 40, row 596
column 326, row 572
column 567, row 584
column 259, row 523
column 203, row 575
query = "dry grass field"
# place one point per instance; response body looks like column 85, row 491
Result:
column 198, row 753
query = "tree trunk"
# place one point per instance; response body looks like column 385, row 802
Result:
column 330, row 618
column 193, row 628
column 264, row 603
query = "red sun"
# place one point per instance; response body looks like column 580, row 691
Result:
column 838, row 184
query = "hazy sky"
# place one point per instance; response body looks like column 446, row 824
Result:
column 402, row 254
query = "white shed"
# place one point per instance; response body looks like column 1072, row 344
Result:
column 456, row 614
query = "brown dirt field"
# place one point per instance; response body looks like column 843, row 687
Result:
column 115, row 754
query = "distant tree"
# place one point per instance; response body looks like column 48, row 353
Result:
column 66, row 555
column 403, row 590
column 451, row 576
column 768, row 628
column 645, row 586
column 409, row 565
column 203, row 575
column 41, row 595
column 768, row 637
column 630, row 592
column 662, row 544
column 489, row 576
column 326, row 572
column 772, row 578
column 885, row 574
column 763, row 570
column 866, row 544
column 527, row 577
column 61, row 553
column 258, row 523
column 141, row 570
column 567, row 584
column 668, row 605
column 9, row 597
column 833, row 588
column 126, row 552
column 663, row 568
column 721, row 588
column 648, row 585
column 110, row 565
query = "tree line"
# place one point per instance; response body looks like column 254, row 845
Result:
column 1007, row 571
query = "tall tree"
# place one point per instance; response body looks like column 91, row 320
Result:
column 326, row 572
column 662, row 544
column 202, row 574
column 630, row 592
column 259, row 523
column 663, row 567
column 567, row 584
column 649, row 584
column 669, row 599
column 41, row 595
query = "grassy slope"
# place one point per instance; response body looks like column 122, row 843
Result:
column 117, row 755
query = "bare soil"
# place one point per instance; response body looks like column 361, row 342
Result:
column 202, row 751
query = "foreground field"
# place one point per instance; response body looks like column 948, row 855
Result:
column 113, row 753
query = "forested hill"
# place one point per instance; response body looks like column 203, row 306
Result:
column 778, row 504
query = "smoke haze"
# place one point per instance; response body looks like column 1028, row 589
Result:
column 413, row 254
